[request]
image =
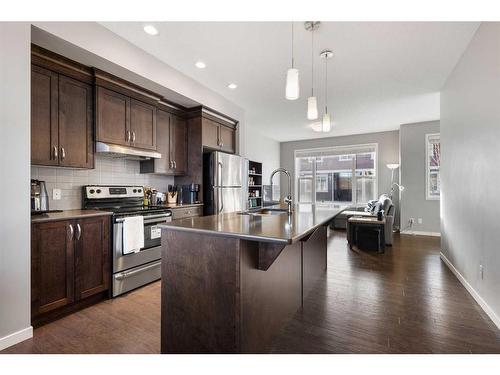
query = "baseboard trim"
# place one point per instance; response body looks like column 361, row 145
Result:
column 421, row 233
column 16, row 337
column 486, row 308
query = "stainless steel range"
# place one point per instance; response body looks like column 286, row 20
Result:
column 130, row 270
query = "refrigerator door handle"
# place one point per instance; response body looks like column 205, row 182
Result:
column 219, row 164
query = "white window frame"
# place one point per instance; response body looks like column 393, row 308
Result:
column 348, row 149
column 428, row 196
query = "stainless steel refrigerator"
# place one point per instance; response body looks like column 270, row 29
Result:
column 225, row 183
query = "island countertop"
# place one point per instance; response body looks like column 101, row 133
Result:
column 266, row 228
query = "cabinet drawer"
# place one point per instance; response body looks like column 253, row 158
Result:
column 182, row 213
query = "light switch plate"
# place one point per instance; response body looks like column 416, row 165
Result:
column 56, row 194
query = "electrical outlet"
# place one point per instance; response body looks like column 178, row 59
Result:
column 419, row 220
column 56, row 194
column 481, row 271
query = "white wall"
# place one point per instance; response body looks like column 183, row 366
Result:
column 470, row 139
column 414, row 203
column 14, row 183
column 264, row 150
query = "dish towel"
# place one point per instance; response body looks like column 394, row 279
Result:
column 133, row 234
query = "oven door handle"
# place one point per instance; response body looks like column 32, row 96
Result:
column 124, row 275
column 148, row 217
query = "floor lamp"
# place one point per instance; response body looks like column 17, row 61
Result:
column 395, row 185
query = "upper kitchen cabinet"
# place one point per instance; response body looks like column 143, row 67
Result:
column 218, row 133
column 172, row 144
column 113, row 117
column 61, row 112
column 125, row 113
column 178, row 144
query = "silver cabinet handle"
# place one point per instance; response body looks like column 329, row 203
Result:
column 55, row 152
column 133, row 136
column 128, row 135
column 63, row 153
column 71, row 232
column 78, row 231
column 175, row 164
column 222, row 144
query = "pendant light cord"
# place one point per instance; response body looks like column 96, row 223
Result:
column 292, row 46
column 326, row 83
column 312, row 62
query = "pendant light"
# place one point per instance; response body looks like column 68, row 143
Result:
column 326, row 121
column 312, row 102
column 292, row 79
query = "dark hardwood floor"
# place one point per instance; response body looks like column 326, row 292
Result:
column 403, row 301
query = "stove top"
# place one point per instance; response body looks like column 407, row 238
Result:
column 121, row 200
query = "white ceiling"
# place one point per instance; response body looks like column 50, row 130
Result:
column 383, row 74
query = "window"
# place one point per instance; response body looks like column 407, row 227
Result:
column 433, row 163
column 322, row 183
column 342, row 175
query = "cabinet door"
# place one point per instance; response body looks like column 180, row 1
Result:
column 52, row 266
column 113, row 117
column 210, row 133
column 143, row 125
column 227, row 139
column 44, row 129
column 178, row 145
column 75, row 123
column 163, row 143
column 92, row 267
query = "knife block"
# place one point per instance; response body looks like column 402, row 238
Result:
column 172, row 198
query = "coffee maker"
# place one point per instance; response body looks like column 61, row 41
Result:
column 39, row 197
column 190, row 193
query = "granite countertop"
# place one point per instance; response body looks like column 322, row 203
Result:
column 68, row 215
column 269, row 228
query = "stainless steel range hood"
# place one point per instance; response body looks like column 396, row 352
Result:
column 115, row 151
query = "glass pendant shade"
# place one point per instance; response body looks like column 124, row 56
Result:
column 292, row 84
column 312, row 108
column 326, row 123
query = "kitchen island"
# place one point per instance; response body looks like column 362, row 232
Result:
column 230, row 281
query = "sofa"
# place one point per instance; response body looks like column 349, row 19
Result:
column 383, row 203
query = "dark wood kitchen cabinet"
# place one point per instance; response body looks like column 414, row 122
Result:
column 125, row 121
column 171, row 142
column 92, row 265
column 143, row 125
column 113, row 117
column 61, row 120
column 218, row 136
column 70, row 262
column 125, row 113
column 52, row 267
column 178, row 144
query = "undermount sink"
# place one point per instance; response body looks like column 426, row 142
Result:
column 267, row 212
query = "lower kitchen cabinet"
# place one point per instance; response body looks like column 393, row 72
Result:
column 70, row 262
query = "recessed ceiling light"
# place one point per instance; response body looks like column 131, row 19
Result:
column 200, row 65
column 232, row 86
column 151, row 30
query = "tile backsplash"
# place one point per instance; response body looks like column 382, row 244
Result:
column 107, row 171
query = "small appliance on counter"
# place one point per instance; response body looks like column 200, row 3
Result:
column 39, row 197
column 190, row 193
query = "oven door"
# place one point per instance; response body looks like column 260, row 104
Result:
column 152, row 242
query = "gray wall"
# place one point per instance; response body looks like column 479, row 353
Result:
column 388, row 152
column 413, row 168
column 14, row 187
column 470, row 139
